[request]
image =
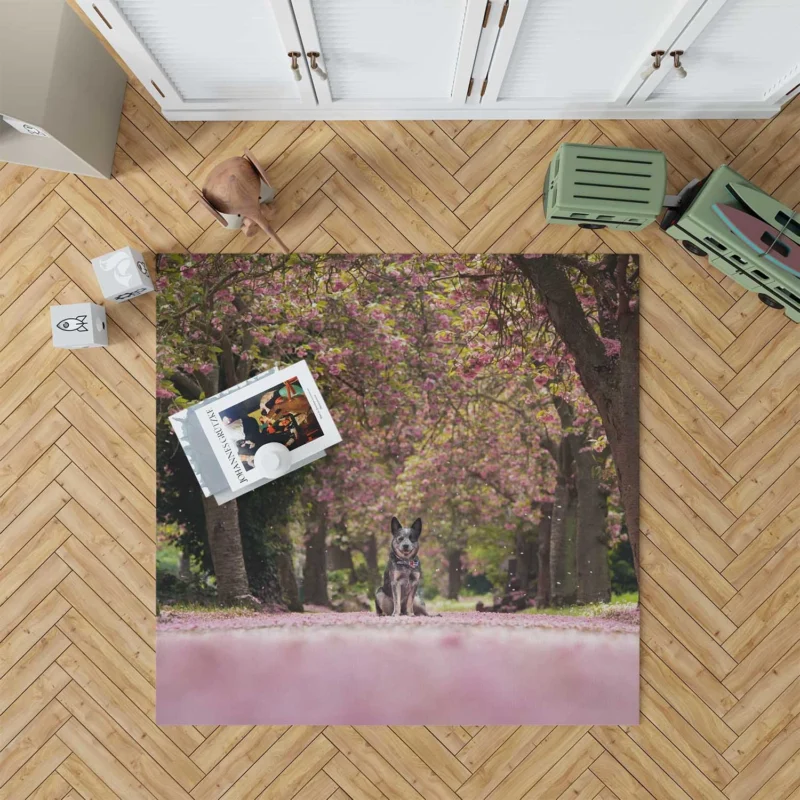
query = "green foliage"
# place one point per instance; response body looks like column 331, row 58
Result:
column 340, row 588
column 466, row 603
column 173, row 588
column 618, row 602
column 167, row 558
column 263, row 517
column 477, row 584
column 180, row 499
column 620, row 564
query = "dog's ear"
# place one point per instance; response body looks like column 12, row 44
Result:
column 395, row 526
column 416, row 529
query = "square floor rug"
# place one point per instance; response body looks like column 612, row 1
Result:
column 466, row 554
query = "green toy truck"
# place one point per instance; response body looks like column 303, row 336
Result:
column 605, row 187
column 695, row 223
column 744, row 232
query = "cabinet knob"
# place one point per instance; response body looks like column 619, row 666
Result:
column 315, row 68
column 657, row 56
column 676, row 60
column 295, row 66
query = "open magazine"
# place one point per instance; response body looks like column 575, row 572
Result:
column 228, row 437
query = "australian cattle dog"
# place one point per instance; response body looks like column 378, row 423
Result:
column 398, row 595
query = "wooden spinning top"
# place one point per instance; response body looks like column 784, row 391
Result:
column 233, row 187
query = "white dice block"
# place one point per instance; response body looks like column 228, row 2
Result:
column 122, row 274
column 79, row 325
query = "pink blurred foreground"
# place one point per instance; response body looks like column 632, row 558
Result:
column 359, row 669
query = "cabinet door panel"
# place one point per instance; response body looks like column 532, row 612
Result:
column 208, row 53
column 381, row 52
column 581, row 51
column 748, row 51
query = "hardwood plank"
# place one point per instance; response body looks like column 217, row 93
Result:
column 434, row 139
column 31, row 629
column 130, row 719
column 87, row 785
column 156, row 164
column 419, row 161
column 30, row 267
column 351, row 781
column 120, row 744
column 32, row 228
column 152, row 197
column 683, row 736
column 673, row 616
column 476, row 133
column 21, row 532
column 539, row 144
column 346, row 233
column 365, row 148
column 779, row 568
column 46, row 759
column 31, row 702
column 376, row 228
column 101, row 763
column 680, row 552
column 225, row 774
column 26, row 198
column 159, row 131
column 35, row 735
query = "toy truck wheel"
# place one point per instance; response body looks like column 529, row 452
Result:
column 769, row 301
column 693, row 249
column 592, row 226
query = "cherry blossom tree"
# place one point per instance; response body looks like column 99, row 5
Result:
column 457, row 392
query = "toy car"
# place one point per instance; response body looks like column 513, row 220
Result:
column 745, row 233
column 605, row 187
column 702, row 221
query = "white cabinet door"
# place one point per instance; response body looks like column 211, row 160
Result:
column 390, row 54
column 577, row 54
column 208, row 54
column 735, row 51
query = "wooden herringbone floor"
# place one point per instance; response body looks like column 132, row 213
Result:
column 720, row 381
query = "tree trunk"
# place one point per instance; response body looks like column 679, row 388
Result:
column 286, row 575
column 315, row 572
column 543, row 553
column 563, row 573
column 594, row 582
column 525, row 556
column 184, row 566
column 611, row 380
column 225, row 544
column 371, row 557
column 454, row 574
column 341, row 558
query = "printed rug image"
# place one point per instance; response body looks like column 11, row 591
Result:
column 456, row 540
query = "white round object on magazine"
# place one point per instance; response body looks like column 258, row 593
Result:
column 273, row 459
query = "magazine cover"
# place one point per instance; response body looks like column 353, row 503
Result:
column 285, row 407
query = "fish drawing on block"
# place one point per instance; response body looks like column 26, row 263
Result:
column 77, row 324
column 761, row 237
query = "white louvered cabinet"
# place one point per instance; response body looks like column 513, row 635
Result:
column 209, row 55
column 733, row 51
column 431, row 59
column 578, row 53
column 409, row 54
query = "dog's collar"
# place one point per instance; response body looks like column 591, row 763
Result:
column 407, row 562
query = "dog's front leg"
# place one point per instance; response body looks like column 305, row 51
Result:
column 397, row 595
column 409, row 606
